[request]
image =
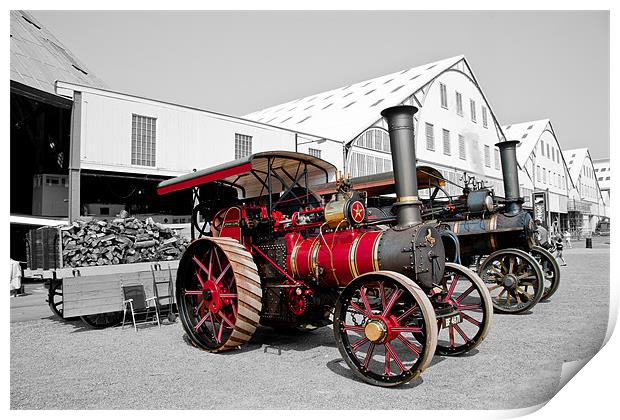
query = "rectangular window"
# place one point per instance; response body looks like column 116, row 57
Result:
column 485, row 123
column 496, row 159
column 542, row 147
column 243, row 145
column 314, row 152
column 462, row 154
column 459, row 104
column 544, row 174
column 430, row 137
column 472, row 109
column 487, row 155
column 548, row 155
column 143, row 133
column 538, row 172
column 446, row 142
column 444, row 95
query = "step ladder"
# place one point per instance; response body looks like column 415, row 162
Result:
column 165, row 303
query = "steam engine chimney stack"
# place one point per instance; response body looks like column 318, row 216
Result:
column 510, row 173
column 402, row 142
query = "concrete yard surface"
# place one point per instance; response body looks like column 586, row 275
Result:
column 60, row 364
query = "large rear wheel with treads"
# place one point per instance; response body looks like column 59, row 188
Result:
column 514, row 279
column 385, row 328
column 218, row 294
column 550, row 268
column 469, row 311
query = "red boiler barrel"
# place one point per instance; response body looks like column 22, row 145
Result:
column 336, row 257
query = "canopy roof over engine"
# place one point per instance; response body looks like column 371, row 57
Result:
column 383, row 183
column 251, row 174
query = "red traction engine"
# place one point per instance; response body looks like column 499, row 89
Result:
column 281, row 256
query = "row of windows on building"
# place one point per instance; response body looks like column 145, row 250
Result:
column 362, row 164
column 447, row 146
column 587, row 191
column 375, row 139
column 443, row 95
column 547, row 176
column 552, row 152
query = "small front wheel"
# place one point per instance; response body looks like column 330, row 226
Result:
column 385, row 328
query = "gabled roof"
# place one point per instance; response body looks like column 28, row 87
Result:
column 574, row 158
column 602, row 167
column 528, row 134
column 38, row 59
column 343, row 113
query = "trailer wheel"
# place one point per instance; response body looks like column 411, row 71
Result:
column 514, row 279
column 100, row 321
column 218, row 294
column 54, row 297
column 471, row 311
column 550, row 268
column 385, row 328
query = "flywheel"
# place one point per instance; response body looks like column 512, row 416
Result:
column 218, row 293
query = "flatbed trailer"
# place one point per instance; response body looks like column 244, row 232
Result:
column 94, row 293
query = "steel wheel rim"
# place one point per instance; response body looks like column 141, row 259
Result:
column 471, row 300
column 396, row 357
column 514, row 280
column 551, row 271
column 56, row 300
column 207, row 296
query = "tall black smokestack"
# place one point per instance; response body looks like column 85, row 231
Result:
column 510, row 173
column 402, row 142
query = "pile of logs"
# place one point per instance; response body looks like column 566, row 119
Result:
column 125, row 240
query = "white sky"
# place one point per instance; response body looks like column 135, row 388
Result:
column 531, row 65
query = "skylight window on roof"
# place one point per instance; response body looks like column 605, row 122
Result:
column 414, row 77
column 524, row 136
column 293, row 108
column 508, row 127
column 369, row 92
column 304, row 119
column 348, row 105
column 377, row 103
column 350, row 93
column 271, row 120
column 286, row 119
column 367, row 84
column 305, row 109
column 385, row 83
column 530, row 127
column 428, row 68
column 328, row 105
column 327, row 97
column 398, row 88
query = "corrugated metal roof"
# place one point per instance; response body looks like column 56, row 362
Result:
column 342, row 113
column 38, row 59
column 528, row 133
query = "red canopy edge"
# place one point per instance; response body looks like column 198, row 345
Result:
column 224, row 173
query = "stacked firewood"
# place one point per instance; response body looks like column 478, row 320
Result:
column 125, row 240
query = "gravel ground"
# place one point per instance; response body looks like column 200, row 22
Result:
column 57, row 364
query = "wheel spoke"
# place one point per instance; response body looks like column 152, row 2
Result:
column 465, row 294
column 225, row 319
column 365, row 301
column 511, row 267
column 219, row 333
column 455, row 280
column 471, row 319
column 495, row 286
column 462, row 334
column 451, row 332
column 357, row 328
column 217, row 340
column 359, row 343
column 201, row 266
column 407, row 329
column 393, row 297
column 202, row 321
column 356, row 308
column 371, row 348
column 415, row 349
column 222, row 273
column 192, row 292
column 470, row 307
column 399, row 362
column 407, row 313
column 228, row 295
column 382, row 295
column 386, row 363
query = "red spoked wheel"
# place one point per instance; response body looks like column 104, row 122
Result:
column 514, row 279
column 467, row 311
column 385, row 328
column 550, row 268
column 218, row 294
